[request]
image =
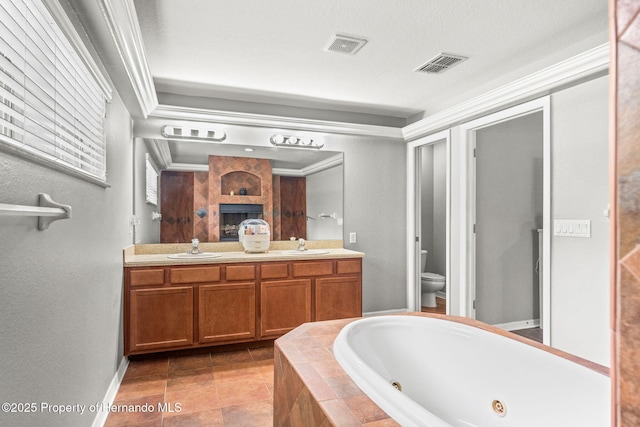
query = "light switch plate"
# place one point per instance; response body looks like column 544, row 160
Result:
column 572, row 228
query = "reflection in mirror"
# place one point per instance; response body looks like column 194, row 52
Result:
column 209, row 189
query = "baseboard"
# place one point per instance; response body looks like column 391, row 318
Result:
column 109, row 397
column 521, row 324
column 441, row 294
column 384, row 312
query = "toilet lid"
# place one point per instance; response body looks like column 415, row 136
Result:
column 432, row 277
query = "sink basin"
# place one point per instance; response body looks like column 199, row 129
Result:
column 307, row 252
column 186, row 255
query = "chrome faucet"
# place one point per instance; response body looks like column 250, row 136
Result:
column 195, row 250
column 301, row 244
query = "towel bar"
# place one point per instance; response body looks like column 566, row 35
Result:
column 47, row 212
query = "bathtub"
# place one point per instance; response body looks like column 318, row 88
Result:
column 438, row 372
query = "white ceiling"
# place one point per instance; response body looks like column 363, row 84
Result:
column 273, row 52
column 270, row 57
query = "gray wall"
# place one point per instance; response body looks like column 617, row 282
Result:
column 324, row 195
column 433, row 193
column 61, row 289
column 579, row 267
column 580, row 190
column 375, row 208
column 148, row 231
column 508, row 213
column 426, row 201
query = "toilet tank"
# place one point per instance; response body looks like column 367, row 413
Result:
column 423, row 260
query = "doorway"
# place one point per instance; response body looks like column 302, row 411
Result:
column 507, row 203
column 429, row 194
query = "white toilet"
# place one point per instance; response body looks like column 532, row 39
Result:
column 429, row 282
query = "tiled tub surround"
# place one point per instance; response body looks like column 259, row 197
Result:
column 625, row 128
column 312, row 389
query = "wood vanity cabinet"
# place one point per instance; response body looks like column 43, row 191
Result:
column 227, row 312
column 179, row 307
column 160, row 318
column 285, row 305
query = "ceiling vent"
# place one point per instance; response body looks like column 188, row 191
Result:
column 440, row 63
column 346, row 44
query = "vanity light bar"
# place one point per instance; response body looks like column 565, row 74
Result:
column 294, row 142
column 193, row 133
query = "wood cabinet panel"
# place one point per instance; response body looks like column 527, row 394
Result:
column 241, row 272
column 226, row 312
column 306, row 269
column 234, row 302
column 274, row 271
column 349, row 266
column 293, row 207
column 176, row 199
column 338, row 298
column 195, row 275
column 284, row 305
column 146, row 277
column 160, row 318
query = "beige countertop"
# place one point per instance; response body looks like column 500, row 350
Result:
column 157, row 254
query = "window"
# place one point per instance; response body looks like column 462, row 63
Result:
column 51, row 108
column 152, row 183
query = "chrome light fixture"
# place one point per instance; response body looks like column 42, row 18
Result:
column 294, row 142
column 194, row 133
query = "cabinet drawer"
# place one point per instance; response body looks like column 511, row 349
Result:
column 349, row 266
column 320, row 268
column 195, row 275
column 146, row 277
column 241, row 272
column 274, row 271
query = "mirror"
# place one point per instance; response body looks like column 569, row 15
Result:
column 302, row 198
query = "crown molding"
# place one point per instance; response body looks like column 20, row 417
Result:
column 69, row 30
column 120, row 17
column 541, row 83
column 173, row 112
column 188, row 167
column 160, row 152
column 314, row 168
column 311, row 169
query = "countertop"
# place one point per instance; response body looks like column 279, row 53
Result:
column 157, row 255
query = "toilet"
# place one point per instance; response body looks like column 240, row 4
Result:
column 430, row 283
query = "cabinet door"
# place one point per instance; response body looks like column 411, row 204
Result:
column 293, row 207
column 176, row 199
column 284, row 305
column 227, row 312
column 160, row 318
column 338, row 298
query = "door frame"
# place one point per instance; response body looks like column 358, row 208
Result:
column 468, row 208
column 413, row 217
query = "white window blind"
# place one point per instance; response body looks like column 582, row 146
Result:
column 50, row 105
column 152, row 183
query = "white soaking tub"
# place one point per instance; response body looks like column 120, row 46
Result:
column 454, row 373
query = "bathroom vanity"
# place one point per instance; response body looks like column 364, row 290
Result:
column 235, row 297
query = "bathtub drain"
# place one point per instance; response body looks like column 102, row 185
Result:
column 499, row 408
column 397, row 385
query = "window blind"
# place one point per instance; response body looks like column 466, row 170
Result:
column 50, row 105
column 152, row 182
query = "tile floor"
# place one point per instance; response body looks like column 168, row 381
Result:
column 232, row 388
column 531, row 333
column 534, row 334
column 441, row 307
column 218, row 388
